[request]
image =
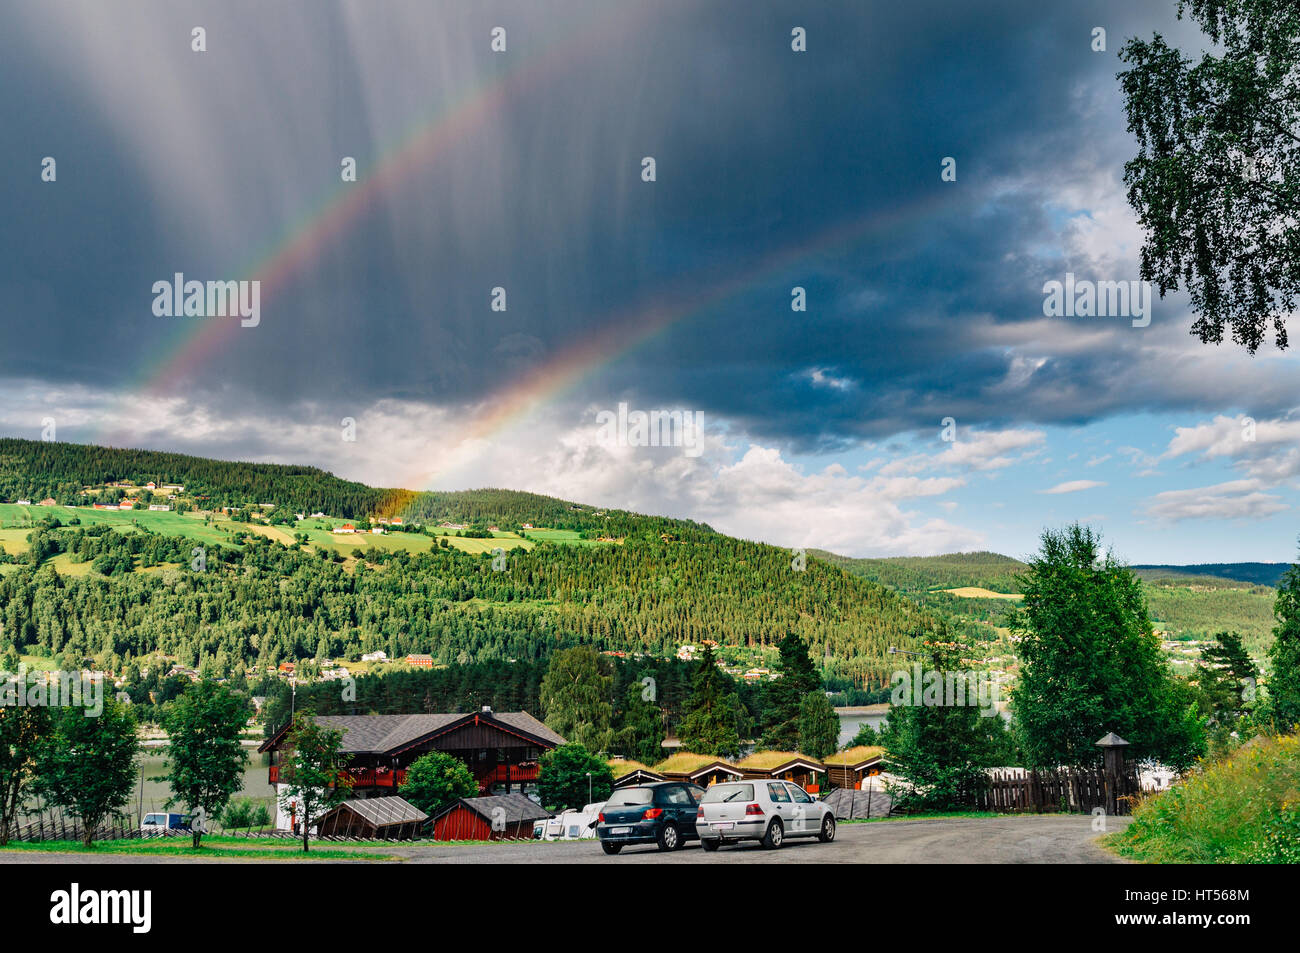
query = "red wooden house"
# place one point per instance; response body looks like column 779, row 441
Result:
column 502, row 749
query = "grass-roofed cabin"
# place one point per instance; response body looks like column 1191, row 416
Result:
column 502, row 817
column 388, row 817
column 701, row 769
column 849, row 768
column 783, row 766
column 630, row 773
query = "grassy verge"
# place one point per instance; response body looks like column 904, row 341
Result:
column 213, row 848
column 1242, row 810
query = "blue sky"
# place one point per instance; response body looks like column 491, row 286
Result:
column 823, row 427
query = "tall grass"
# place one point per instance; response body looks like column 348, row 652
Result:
column 1241, row 810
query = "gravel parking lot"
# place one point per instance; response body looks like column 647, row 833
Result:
column 1041, row 839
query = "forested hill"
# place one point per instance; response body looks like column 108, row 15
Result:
column 514, row 508
column 36, row 469
column 75, row 587
column 952, row 571
column 1185, row 603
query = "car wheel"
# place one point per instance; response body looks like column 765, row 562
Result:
column 828, row 829
column 775, row 835
column 669, row 837
column 710, row 843
column 609, row 848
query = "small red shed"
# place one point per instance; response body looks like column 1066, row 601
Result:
column 500, row 817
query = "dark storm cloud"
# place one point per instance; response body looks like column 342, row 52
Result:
column 175, row 161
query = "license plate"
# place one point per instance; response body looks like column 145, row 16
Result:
column 620, row 830
column 723, row 827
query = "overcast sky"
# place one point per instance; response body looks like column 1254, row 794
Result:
column 522, row 170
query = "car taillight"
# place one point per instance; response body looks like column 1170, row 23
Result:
column 752, row 809
column 652, row 813
column 600, row 818
column 699, row 815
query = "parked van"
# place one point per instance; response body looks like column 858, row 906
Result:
column 158, row 823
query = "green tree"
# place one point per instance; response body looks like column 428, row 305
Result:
column 940, row 750
column 571, row 776
column 1284, row 654
column 312, row 772
column 437, row 779
column 785, row 695
column 819, row 726
column 713, row 716
column 576, row 697
column 87, row 763
column 1225, row 678
column 205, row 760
column 1090, row 662
column 22, row 732
column 867, row 735
column 1215, row 182
column 641, row 732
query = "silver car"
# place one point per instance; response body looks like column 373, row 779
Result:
column 765, row 811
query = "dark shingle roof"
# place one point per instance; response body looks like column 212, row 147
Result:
column 509, row 808
column 379, row 734
column 525, row 722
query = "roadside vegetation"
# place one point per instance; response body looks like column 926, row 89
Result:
column 1242, row 809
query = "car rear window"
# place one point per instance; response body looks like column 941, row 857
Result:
column 629, row 796
column 729, row 792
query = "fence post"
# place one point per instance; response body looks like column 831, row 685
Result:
column 1112, row 749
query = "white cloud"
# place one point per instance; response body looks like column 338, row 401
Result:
column 1264, row 450
column 820, row 377
column 976, row 450
column 1073, row 486
column 1235, row 500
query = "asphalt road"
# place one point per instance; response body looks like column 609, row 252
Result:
column 1041, row 839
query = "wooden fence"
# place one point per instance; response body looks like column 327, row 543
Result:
column 58, row 828
column 1080, row 790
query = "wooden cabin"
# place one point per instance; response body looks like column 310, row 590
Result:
column 784, row 766
column 501, row 817
column 629, row 773
column 701, row 769
column 848, row 768
column 387, row 817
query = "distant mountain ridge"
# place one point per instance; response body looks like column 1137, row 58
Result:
column 989, row 570
column 1259, row 574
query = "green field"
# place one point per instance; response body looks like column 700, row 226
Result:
column 217, row 529
column 14, row 541
column 563, row 536
column 321, row 538
column 170, row 523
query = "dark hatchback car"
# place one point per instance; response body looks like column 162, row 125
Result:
column 661, row 813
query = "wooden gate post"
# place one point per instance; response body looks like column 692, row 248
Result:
column 1112, row 750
